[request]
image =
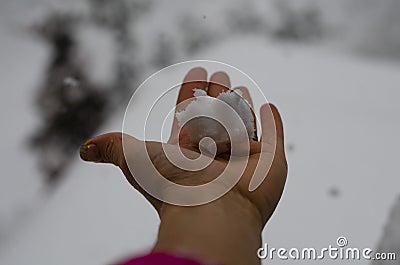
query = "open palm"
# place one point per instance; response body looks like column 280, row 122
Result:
column 268, row 151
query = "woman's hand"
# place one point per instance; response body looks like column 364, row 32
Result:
column 258, row 204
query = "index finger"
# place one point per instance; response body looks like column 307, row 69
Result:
column 195, row 78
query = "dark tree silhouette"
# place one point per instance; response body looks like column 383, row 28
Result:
column 303, row 24
column 117, row 16
column 164, row 53
column 71, row 107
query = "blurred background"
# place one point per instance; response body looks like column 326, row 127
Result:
column 68, row 69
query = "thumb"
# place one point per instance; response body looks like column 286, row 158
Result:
column 106, row 148
column 272, row 127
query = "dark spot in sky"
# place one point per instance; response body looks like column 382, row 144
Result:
column 334, row 192
column 204, row 16
column 290, row 147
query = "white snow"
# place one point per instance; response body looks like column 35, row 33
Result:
column 71, row 82
column 341, row 119
column 339, row 114
column 200, row 120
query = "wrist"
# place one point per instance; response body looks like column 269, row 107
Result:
column 227, row 230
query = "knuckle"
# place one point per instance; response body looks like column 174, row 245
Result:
column 111, row 150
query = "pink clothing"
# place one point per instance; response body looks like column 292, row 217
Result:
column 161, row 259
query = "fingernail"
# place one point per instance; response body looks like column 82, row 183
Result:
column 89, row 152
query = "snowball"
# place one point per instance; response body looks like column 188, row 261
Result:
column 201, row 127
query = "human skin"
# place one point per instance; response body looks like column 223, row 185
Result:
column 227, row 230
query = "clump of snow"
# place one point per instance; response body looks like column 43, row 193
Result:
column 204, row 107
column 71, row 82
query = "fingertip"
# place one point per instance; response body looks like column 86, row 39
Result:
column 89, row 152
column 273, row 108
column 105, row 148
column 277, row 116
column 220, row 75
column 245, row 94
column 266, row 106
column 271, row 122
column 221, row 78
column 196, row 74
column 243, row 89
column 219, row 82
column 199, row 69
column 270, row 108
column 195, row 78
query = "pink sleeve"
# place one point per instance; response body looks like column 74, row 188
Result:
column 162, row 259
